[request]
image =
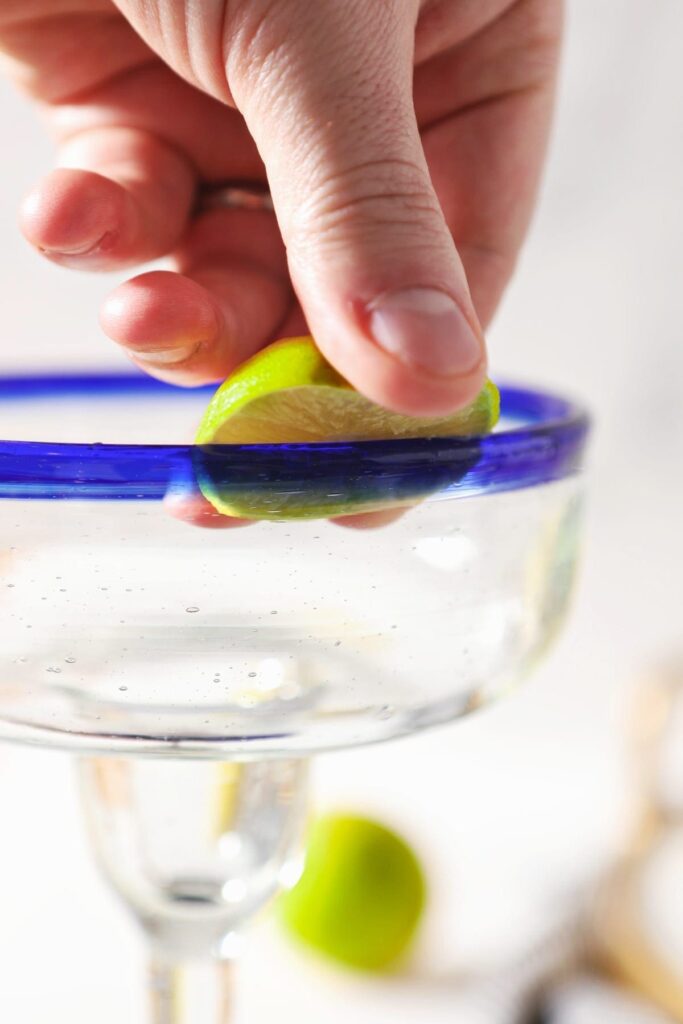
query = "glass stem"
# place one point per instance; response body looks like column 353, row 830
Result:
column 190, row 991
column 195, row 849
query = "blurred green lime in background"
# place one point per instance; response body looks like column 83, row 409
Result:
column 361, row 895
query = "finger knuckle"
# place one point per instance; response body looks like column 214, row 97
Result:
column 368, row 197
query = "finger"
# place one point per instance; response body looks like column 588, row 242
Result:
column 153, row 99
column 120, row 197
column 195, row 327
column 486, row 164
column 489, row 213
column 485, row 111
column 327, row 94
column 518, row 52
column 194, row 330
column 444, row 24
column 294, row 325
column 197, row 511
column 370, row 520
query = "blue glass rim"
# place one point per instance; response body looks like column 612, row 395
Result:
column 546, row 442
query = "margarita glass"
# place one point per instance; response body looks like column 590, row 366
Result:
column 193, row 671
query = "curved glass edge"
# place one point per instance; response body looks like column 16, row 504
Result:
column 239, row 746
column 548, row 444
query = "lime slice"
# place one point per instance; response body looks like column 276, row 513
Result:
column 361, row 895
column 289, row 394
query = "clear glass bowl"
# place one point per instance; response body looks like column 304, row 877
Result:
column 125, row 630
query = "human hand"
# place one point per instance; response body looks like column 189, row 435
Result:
column 383, row 217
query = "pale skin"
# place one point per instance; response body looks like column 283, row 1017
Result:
column 402, row 143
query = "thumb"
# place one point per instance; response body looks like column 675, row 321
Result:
column 326, row 91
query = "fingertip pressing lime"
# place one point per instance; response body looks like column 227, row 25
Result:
column 289, row 394
column 361, row 895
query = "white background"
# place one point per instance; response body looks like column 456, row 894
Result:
column 516, row 808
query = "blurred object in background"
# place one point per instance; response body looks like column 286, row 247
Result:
column 511, row 995
column 639, row 921
column 585, row 999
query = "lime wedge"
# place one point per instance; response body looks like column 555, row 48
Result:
column 289, row 394
column 361, row 895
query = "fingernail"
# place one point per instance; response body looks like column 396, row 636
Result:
column 425, row 328
column 167, row 356
column 103, row 244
